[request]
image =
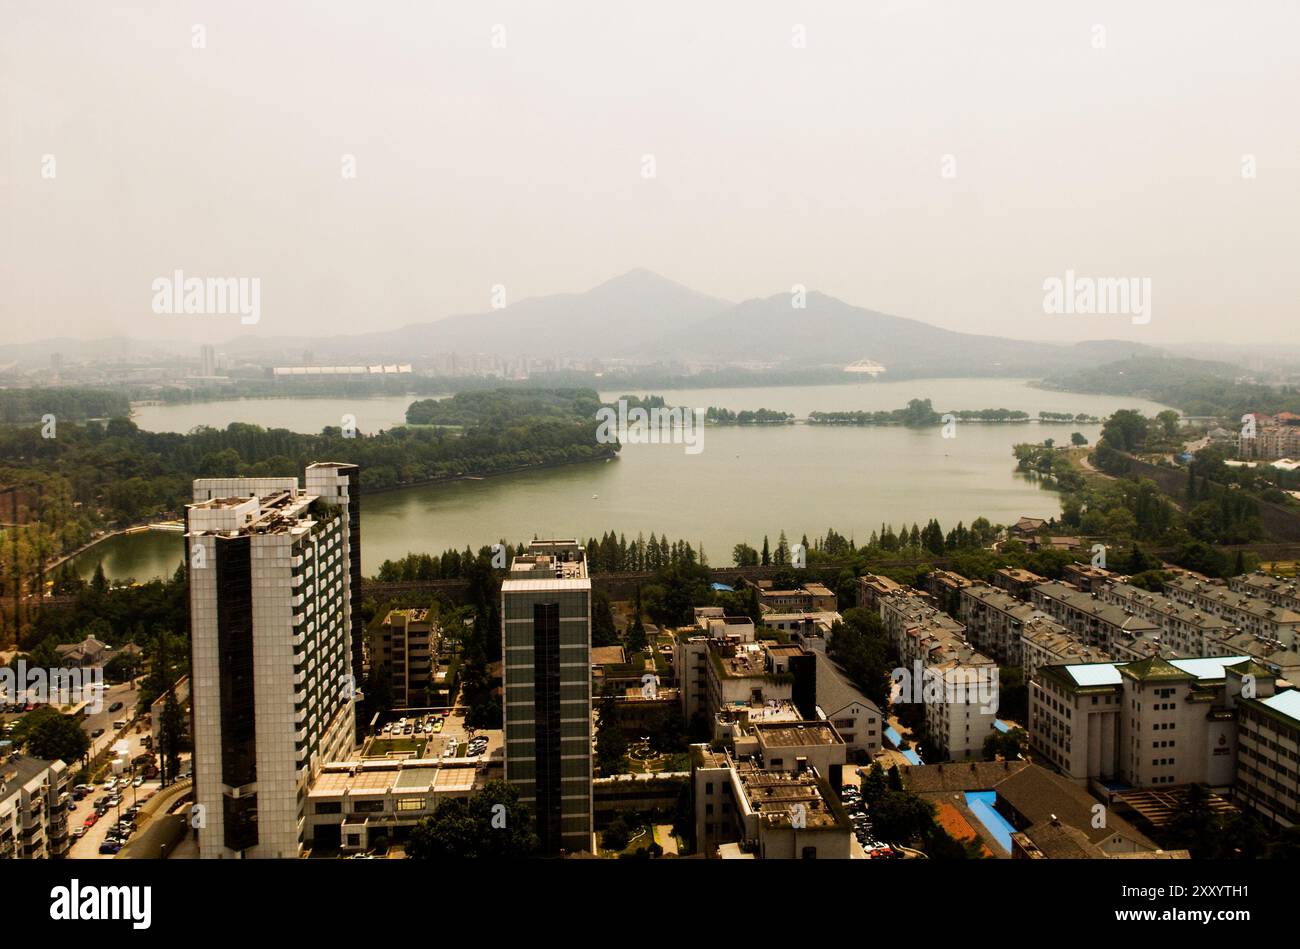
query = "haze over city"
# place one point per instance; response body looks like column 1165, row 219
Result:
column 928, row 160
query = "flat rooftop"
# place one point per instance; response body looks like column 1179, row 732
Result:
column 794, row 734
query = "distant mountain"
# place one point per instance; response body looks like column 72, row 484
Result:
column 619, row 316
column 647, row 318
column 830, row 332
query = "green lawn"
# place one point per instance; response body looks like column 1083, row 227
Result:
column 379, row 747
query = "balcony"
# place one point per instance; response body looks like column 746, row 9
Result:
column 300, row 678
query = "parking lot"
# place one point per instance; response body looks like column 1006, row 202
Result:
column 437, row 735
column 872, row 848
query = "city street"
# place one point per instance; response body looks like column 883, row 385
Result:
column 88, row 846
column 104, row 718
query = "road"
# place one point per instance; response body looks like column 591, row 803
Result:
column 124, row 693
column 87, row 847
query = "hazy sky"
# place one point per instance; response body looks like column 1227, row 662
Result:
column 774, row 164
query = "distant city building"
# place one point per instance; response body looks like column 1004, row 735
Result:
column 546, row 648
column 389, row 369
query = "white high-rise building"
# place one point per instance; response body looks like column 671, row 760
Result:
column 271, row 569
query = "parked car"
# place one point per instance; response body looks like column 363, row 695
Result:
column 110, row 846
column 90, row 819
column 139, row 780
column 96, row 733
column 114, row 707
column 79, row 832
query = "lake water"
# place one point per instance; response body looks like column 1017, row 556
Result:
column 746, row 482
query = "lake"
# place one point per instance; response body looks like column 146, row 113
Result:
column 746, row 482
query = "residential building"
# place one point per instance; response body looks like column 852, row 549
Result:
column 1157, row 722
column 1050, row 816
column 546, row 647
column 1276, row 590
column 1092, row 621
column 995, row 620
column 34, row 799
column 856, row 718
column 272, row 687
column 1044, row 642
column 871, row 587
column 1268, row 755
column 1184, row 629
column 811, row 597
column 946, row 586
column 956, row 683
column 1016, row 581
column 1257, row 615
column 404, row 650
column 746, row 810
column 1085, row 576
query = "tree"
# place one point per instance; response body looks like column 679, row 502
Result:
column 611, row 740
column 616, row 835
column 901, row 816
column 1168, row 420
column 603, row 632
column 171, row 737
column 1126, row 430
column 1078, row 439
column 489, row 824
column 50, row 735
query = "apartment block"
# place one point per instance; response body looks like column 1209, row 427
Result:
column 995, row 620
column 272, row 686
column 1044, row 642
column 856, row 718
column 1268, row 756
column 1016, row 581
column 811, row 597
column 1153, row 723
column 1257, row 615
column 1096, row 623
column 1275, row 590
column 1184, row 629
column 352, row 802
column 872, row 587
column 745, row 810
column 404, row 651
column 956, row 683
column 34, row 796
column 546, row 648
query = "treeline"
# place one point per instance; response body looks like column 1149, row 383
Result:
column 610, row 553
column 498, row 408
column 1196, row 386
column 920, row 413
column 21, row 406
column 721, row 416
